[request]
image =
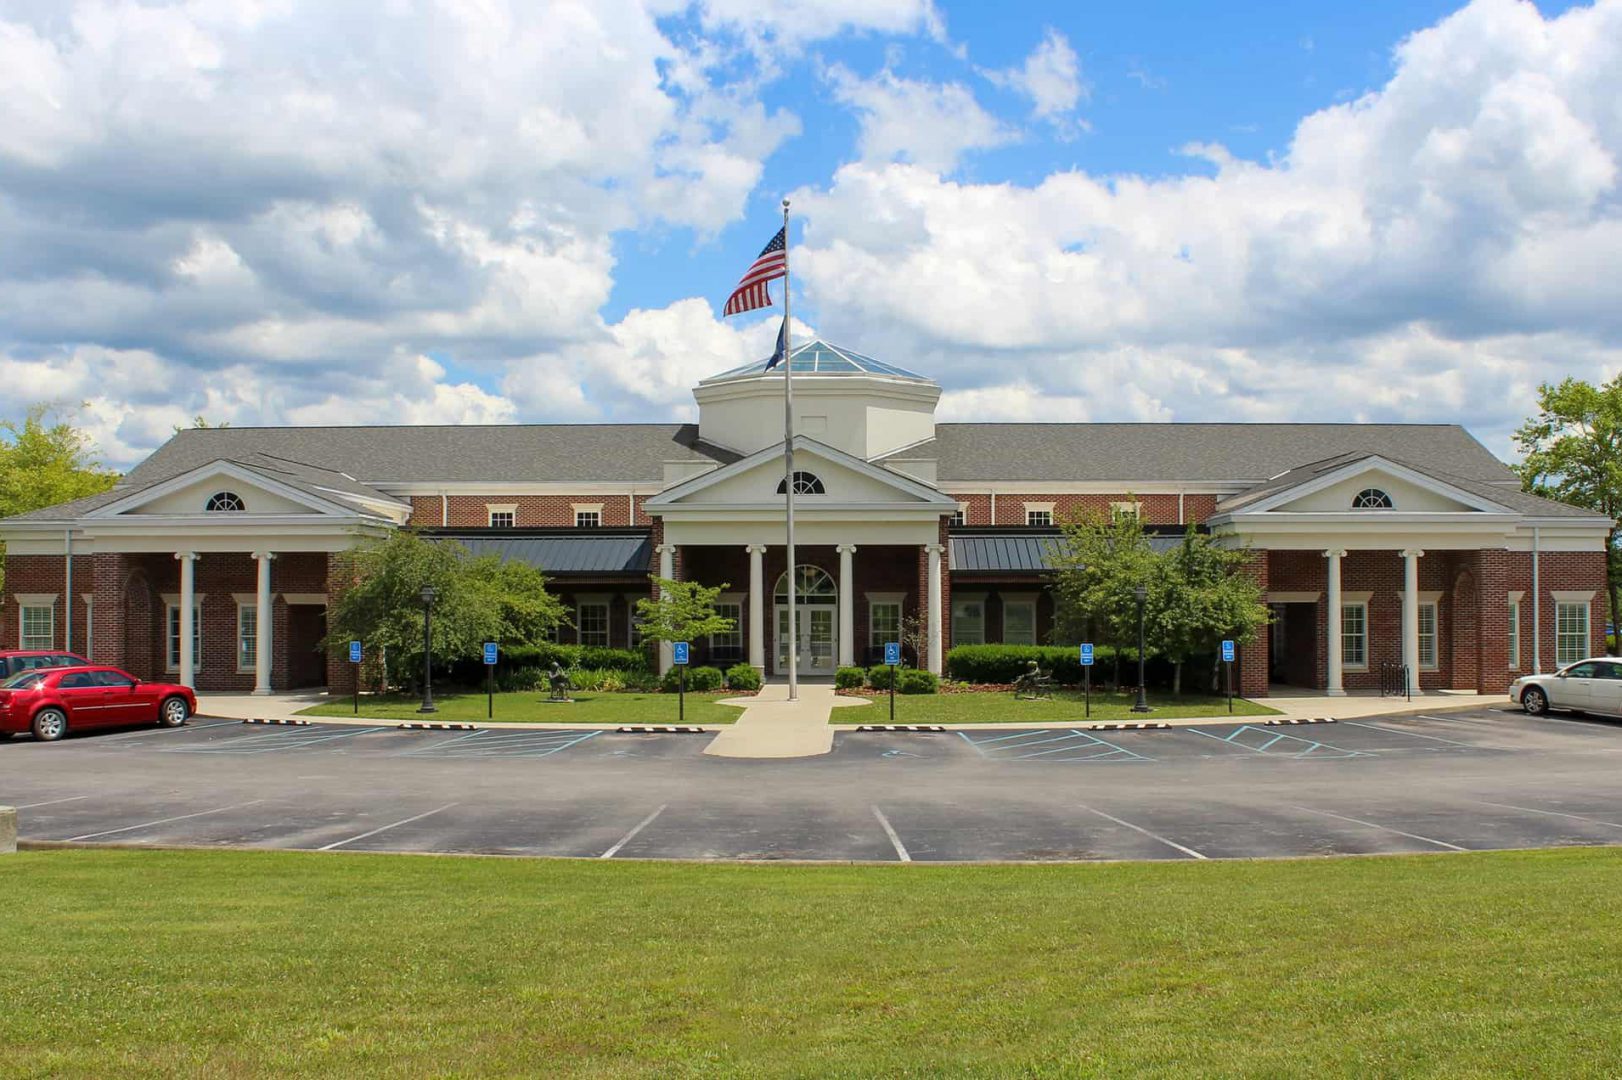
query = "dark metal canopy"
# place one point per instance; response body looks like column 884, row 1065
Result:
column 578, row 552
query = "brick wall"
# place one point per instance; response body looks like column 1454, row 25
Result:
column 533, row 511
column 47, row 574
column 1157, row 509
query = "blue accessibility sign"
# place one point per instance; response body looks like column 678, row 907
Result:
column 1227, row 652
column 490, row 651
column 678, row 650
column 354, row 652
column 1086, row 654
column 892, row 653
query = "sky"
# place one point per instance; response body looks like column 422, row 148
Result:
column 474, row 211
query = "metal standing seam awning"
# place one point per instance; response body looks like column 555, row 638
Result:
column 1018, row 552
column 575, row 553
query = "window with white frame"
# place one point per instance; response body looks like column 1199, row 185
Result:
column 504, row 518
column 1354, row 635
column 1119, row 510
column 1570, row 631
column 1514, row 635
column 247, row 636
column 731, row 642
column 172, row 649
column 1427, row 636
column 883, row 621
column 90, row 625
column 1035, row 516
column 959, row 516
column 1019, row 621
column 37, row 626
column 588, row 519
column 591, row 618
column 968, row 622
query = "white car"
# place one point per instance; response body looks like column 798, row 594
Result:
column 1593, row 685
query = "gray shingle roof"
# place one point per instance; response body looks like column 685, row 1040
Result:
column 1193, row 453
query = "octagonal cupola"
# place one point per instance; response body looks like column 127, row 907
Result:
column 860, row 405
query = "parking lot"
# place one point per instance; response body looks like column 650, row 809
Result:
column 1431, row 783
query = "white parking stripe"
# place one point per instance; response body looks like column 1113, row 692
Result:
column 1139, row 828
column 1551, row 813
column 628, row 837
column 128, row 735
column 1386, row 828
column 164, row 821
column 1410, row 734
column 895, row 841
column 385, row 828
column 50, row 802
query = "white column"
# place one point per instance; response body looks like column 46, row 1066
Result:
column 1336, row 683
column 1410, row 615
column 757, row 606
column 847, row 606
column 934, row 607
column 667, row 570
column 262, row 624
column 188, row 598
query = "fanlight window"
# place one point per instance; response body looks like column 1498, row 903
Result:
column 812, row 586
column 1371, row 499
column 225, row 502
column 804, row 484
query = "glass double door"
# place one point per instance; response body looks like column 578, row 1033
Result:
column 814, row 642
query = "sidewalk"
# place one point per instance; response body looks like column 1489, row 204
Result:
column 772, row 726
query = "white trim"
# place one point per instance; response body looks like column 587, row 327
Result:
column 205, row 472
column 1436, row 632
column 236, row 633
column 245, row 597
column 1573, row 596
column 1357, row 597
column 315, row 598
column 22, row 618
column 1127, row 506
column 1293, row 596
column 1425, row 597
column 1357, row 600
column 1374, row 463
column 35, row 599
column 173, row 598
column 1092, row 487
column 577, row 507
column 928, row 498
column 1040, row 506
column 1517, row 595
column 196, row 628
column 1513, row 644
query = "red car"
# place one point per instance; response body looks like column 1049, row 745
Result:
column 49, row 701
column 14, row 660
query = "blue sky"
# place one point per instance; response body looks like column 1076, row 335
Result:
column 532, row 211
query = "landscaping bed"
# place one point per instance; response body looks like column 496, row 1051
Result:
column 606, row 708
column 1064, row 707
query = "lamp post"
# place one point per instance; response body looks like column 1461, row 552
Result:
column 429, row 595
column 1140, row 594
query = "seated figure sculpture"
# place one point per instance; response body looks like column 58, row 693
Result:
column 558, row 680
column 1034, row 683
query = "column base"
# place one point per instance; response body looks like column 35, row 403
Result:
column 1335, row 693
column 265, row 692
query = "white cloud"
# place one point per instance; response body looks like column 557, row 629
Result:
column 1050, row 77
column 928, row 124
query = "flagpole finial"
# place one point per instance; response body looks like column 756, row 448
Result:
column 785, row 204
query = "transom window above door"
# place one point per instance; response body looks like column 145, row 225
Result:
column 1372, row 499
column 813, row 585
column 225, row 502
column 804, row 484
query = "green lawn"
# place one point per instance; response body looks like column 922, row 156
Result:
column 588, row 708
column 126, row 963
column 1063, row 708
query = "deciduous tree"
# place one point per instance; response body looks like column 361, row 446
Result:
column 681, row 611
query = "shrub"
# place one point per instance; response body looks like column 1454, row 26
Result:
column 879, row 676
column 915, row 681
column 698, row 679
column 743, row 677
column 849, row 678
column 599, row 679
column 643, row 680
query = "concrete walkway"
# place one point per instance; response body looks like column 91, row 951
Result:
column 772, row 726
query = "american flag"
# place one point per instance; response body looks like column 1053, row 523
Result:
column 751, row 291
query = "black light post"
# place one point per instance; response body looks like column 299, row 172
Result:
column 429, row 595
column 1140, row 594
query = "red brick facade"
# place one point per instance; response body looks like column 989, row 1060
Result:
column 1156, row 509
column 530, row 511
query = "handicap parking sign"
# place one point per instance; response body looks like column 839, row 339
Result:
column 490, row 653
column 1087, row 654
column 1227, row 652
column 892, row 653
column 679, row 652
column 354, row 652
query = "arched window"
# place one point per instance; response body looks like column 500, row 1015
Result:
column 812, row 586
column 1371, row 499
column 225, row 502
column 804, row 484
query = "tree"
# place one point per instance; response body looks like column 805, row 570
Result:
column 1572, row 451
column 484, row 599
column 681, row 611
column 43, row 463
column 1097, row 564
column 1201, row 596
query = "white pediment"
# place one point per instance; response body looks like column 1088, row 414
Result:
column 848, row 484
column 1409, row 491
column 189, row 494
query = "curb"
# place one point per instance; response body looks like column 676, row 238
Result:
column 1279, row 722
column 900, row 727
column 424, row 725
column 279, row 721
column 659, row 729
column 1145, row 726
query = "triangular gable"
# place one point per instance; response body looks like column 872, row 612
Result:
column 872, row 483
column 1411, row 491
column 186, row 495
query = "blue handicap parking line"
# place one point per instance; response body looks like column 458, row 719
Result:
column 1047, row 742
column 504, row 744
column 1264, row 740
column 274, row 741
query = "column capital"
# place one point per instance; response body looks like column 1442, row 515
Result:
column 845, row 549
column 660, row 549
column 755, row 549
column 264, row 556
column 1411, row 553
column 186, row 556
column 934, row 549
column 1334, row 553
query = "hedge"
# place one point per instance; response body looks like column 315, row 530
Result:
column 850, row 678
column 917, row 681
column 1005, row 663
column 698, row 679
column 743, row 677
column 879, row 676
column 540, row 658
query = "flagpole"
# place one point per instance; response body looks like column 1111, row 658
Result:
column 788, row 478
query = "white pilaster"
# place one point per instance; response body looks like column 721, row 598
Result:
column 262, row 625
column 757, row 606
column 934, row 618
column 188, row 599
column 847, row 606
column 1336, row 682
column 667, row 570
column 1410, row 615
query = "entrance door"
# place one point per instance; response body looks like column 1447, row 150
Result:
column 814, row 644
column 306, row 664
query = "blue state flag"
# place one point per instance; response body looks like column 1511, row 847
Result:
column 781, row 351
